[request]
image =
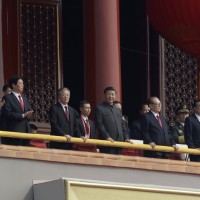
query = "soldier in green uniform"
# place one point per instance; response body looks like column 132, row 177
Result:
column 177, row 130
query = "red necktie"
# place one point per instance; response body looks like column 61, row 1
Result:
column 21, row 102
column 159, row 120
column 87, row 126
column 67, row 112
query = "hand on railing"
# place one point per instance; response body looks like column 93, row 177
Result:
column 110, row 139
column 84, row 139
column 68, row 138
column 176, row 148
column 129, row 141
column 153, row 145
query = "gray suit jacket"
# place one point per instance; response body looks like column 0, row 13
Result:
column 109, row 123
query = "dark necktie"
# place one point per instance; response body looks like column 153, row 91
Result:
column 159, row 120
column 21, row 102
column 67, row 112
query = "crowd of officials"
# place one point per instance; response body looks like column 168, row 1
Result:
column 109, row 123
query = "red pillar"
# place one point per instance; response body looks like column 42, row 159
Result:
column 101, row 48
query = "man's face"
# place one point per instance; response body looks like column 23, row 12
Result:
column 182, row 117
column 155, row 106
column 145, row 109
column 110, row 96
column 19, row 87
column 118, row 105
column 85, row 110
column 8, row 90
column 64, row 97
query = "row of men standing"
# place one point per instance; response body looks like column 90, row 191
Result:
column 64, row 119
column 109, row 122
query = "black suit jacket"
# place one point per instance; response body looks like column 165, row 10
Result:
column 192, row 132
column 79, row 128
column 136, row 129
column 60, row 125
column 153, row 132
column 192, row 135
column 12, row 116
column 109, row 123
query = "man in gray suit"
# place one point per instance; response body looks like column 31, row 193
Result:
column 109, row 122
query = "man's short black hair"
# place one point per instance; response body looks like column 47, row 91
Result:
column 82, row 103
column 195, row 103
column 5, row 87
column 14, row 81
column 33, row 127
column 110, row 88
column 116, row 102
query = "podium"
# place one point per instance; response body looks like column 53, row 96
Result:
column 75, row 189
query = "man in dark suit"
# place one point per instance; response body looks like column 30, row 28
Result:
column 109, row 122
column 135, row 126
column 6, row 90
column 16, row 112
column 85, row 128
column 62, row 119
column 155, row 130
column 192, row 131
column 124, row 117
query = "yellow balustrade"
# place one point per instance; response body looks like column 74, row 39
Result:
column 95, row 142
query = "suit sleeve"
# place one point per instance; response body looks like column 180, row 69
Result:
column 125, row 129
column 172, row 141
column 188, row 134
column 93, row 130
column 77, row 128
column 173, row 132
column 53, row 121
column 9, row 113
column 27, row 104
column 145, row 130
column 99, row 124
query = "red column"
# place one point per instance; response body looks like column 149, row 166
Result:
column 101, row 48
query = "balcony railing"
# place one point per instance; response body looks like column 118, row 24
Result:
column 97, row 142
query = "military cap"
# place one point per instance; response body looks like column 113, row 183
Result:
column 182, row 109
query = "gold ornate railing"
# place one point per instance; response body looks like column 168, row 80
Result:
column 96, row 142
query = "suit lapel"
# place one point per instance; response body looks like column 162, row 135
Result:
column 16, row 102
column 26, row 107
column 70, row 115
column 61, row 110
column 196, row 119
column 155, row 120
